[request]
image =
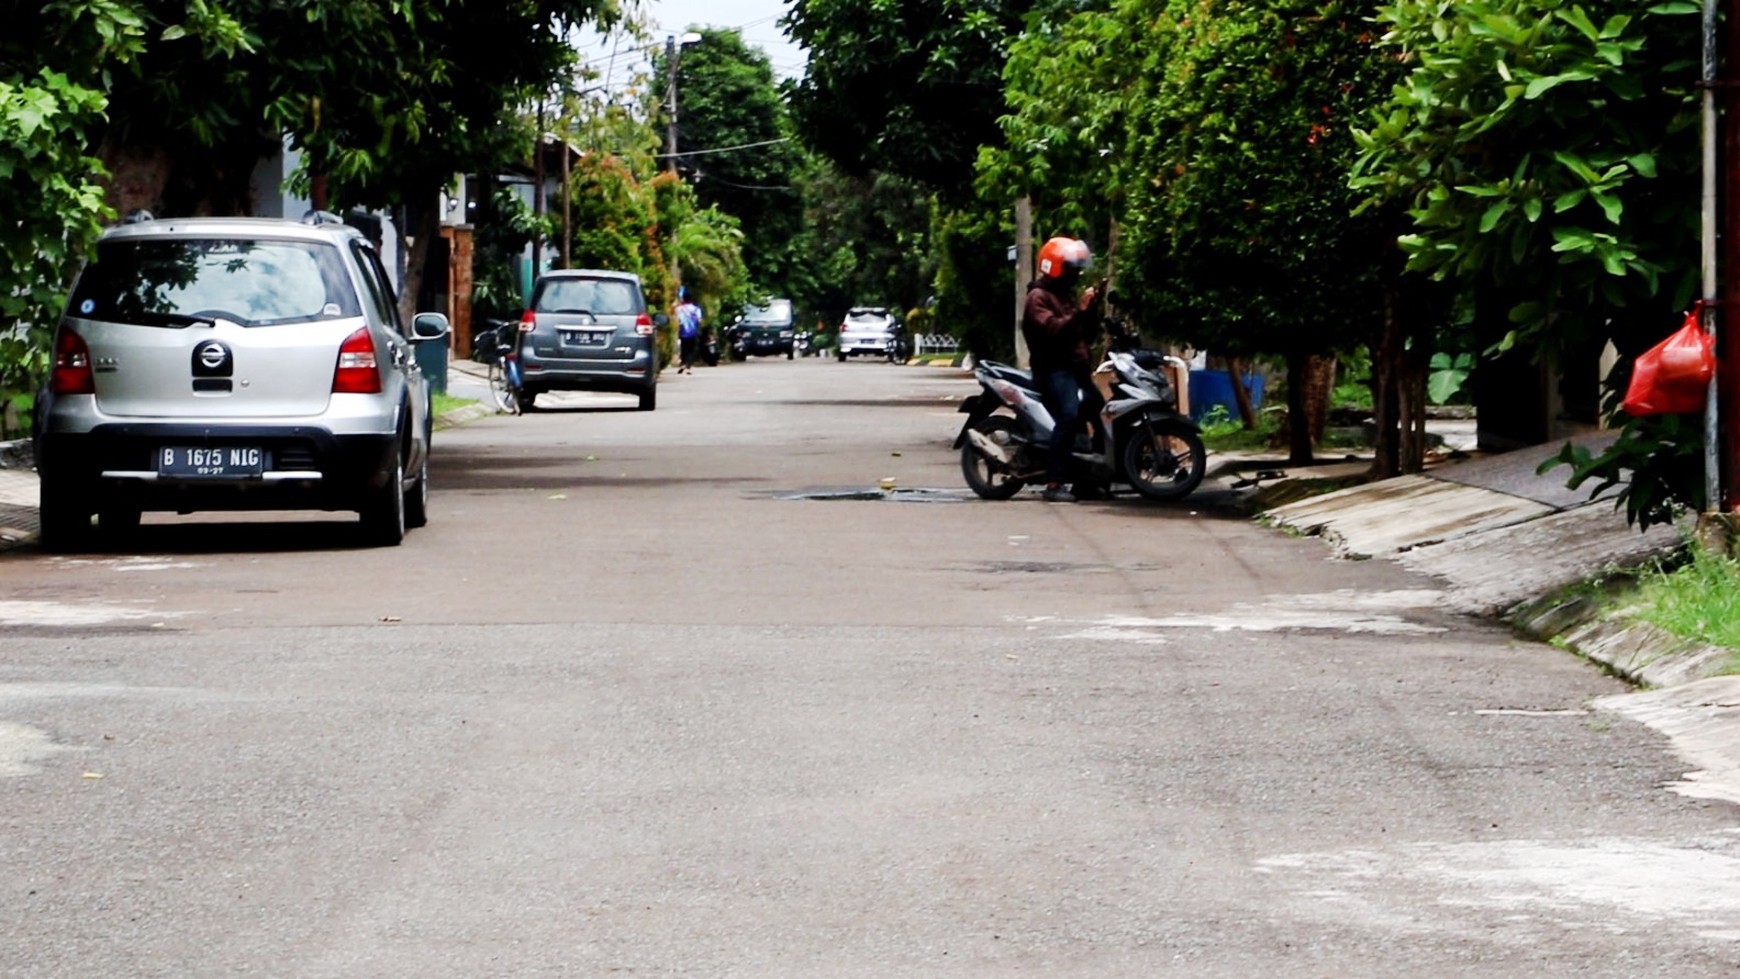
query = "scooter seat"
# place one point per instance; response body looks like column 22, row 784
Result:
column 1008, row 372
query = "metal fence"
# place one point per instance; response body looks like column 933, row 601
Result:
column 937, row 343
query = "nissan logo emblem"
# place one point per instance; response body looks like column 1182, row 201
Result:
column 212, row 359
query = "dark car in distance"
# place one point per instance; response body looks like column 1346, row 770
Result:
column 769, row 329
column 589, row 330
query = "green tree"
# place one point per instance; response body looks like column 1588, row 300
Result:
column 53, row 58
column 388, row 101
column 910, row 88
column 734, row 122
column 1547, row 153
column 1217, row 136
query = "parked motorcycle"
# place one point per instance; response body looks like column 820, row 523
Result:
column 709, row 347
column 1149, row 445
column 899, row 346
column 804, row 343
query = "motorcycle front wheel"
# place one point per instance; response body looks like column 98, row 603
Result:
column 1165, row 460
column 990, row 479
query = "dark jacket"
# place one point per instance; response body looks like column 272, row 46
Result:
column 1057, row 332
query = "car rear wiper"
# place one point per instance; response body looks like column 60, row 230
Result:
column 155, row 318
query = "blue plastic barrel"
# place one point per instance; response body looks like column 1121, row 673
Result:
column 1210, row 388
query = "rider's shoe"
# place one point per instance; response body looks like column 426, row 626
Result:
column 1055, row 493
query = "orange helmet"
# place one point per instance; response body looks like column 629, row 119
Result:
column 1061, row 257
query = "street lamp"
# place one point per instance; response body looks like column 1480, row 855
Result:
column 671, row 49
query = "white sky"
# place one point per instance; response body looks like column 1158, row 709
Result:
column 758, row 20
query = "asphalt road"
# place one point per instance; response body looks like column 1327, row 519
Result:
column 633, row 705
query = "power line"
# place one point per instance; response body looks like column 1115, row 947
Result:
column 726, row 149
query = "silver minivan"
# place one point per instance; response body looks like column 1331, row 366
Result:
column 234, row 364
column 588, row 330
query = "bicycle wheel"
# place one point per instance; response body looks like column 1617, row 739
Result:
column 502, row 389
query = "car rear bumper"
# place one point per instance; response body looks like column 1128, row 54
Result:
column 305, row 467
column 551, row 375
column 759, row 345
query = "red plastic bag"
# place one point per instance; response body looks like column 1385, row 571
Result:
column 1671, row 377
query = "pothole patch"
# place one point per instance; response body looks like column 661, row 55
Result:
column 21, row 748
column 1351, row 611
column 1612, row 883
column 62, row 614
column 877, row 495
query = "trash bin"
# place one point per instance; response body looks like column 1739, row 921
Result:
column 432, row 360
column 1210, row 388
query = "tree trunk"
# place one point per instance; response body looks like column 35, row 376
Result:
column 1386, row 370
column 1412, row 417
column 1299, row 451
column 416, row 252
column 1319, row 392
column 1235, row 368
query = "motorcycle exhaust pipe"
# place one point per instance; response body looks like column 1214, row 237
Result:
column 983, row 443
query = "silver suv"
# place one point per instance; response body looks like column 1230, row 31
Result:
column 234, row 364
column 866, row 330
column 588, row 330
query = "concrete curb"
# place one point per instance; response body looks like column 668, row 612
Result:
column 1636, row 651
column 461, row 415
column 1536, row 565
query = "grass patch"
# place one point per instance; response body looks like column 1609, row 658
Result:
column 1697, row 600
column 443, row 403
column 1223, row 433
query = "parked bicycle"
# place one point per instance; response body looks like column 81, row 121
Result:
column 497, row 347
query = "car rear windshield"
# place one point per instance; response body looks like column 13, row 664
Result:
column 599, row 297
column 778, row 311
column 175, row 282
column 868, row 319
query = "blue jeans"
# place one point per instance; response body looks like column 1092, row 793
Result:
column 1061, row 391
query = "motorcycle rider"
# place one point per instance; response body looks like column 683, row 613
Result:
column 1059, row 328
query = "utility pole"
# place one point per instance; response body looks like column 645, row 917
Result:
column 672, row 50
column 1023, row 270
column 1723, row 424
column 538, row 196
column 671, row 102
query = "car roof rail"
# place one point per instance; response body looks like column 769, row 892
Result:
column 138, row 215
column 321, row 217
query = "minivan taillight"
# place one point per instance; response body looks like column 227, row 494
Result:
column 643, row 325
column 528, row 322
column 72, row 365
column 357, row 371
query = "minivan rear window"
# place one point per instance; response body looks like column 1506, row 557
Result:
column 178, row 281
column 777, row 311
column 599, row 297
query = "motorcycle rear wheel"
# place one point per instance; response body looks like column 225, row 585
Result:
column 1165, row 460
column 987, row 477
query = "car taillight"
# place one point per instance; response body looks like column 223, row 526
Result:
column 643, row 325
column 357, row 371
column 72, row 366
column 528, row 321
